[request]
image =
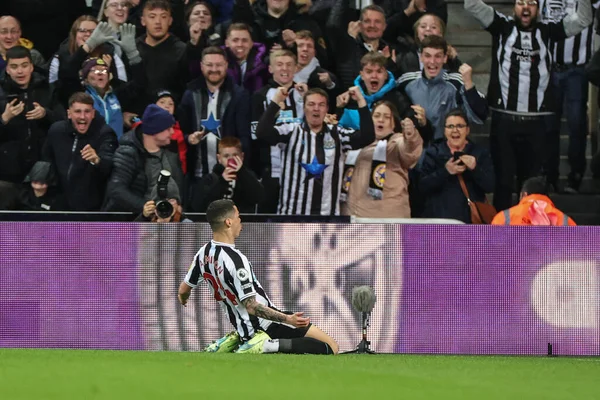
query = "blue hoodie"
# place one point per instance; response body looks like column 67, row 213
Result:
column 350, row 117
column 109, row 108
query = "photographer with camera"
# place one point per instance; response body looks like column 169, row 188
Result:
column 143, row 153
column 165, row 205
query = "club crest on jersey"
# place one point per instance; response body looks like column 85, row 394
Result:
column 347, row 179
column 328, row 143
column 242, row 274
column 379, row 175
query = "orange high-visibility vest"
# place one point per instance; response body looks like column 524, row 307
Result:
column 521, row 213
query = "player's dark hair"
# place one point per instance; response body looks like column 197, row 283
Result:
column 18, row 52
column 217, row 212
column 535, row 185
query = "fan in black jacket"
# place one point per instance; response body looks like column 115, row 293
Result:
column 23, row 130
column 81, row 150
column 229, row 179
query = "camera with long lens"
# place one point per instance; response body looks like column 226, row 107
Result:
column 164, row 209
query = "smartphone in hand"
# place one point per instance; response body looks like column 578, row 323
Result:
column 457, row 155
column 231, row 163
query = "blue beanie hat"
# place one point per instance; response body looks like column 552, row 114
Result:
column 156, row 120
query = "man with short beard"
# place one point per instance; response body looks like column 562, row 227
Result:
column 81, row 151
column 142, row 154
column 163, row 54
column 213, row 106
column 518, row 93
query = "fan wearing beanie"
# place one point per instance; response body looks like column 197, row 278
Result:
column 143, row 152
column 95, row 77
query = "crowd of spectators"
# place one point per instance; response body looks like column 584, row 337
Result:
column 293, row 107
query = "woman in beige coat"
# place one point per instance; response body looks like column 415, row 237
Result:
column 376, row 177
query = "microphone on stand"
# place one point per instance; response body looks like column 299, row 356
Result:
column 363, row 301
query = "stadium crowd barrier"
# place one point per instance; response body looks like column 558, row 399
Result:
column 449, row 289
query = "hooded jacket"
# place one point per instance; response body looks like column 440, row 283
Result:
column 21, row 140
column 257, row 72
column 82, row 183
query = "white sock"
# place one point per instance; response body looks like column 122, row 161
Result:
column 271, row 346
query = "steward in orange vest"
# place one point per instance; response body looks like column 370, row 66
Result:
column 534, row 208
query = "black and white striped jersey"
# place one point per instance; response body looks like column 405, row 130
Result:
column 293, row 112
column 521, row 64
column 313, row 163
column 231, row 280
column 578, row 49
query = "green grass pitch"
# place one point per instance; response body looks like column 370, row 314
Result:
column 76, row 374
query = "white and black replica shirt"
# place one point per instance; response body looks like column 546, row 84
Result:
column 293, row 112
column 522, row 59
column 231, row 280
column 312, row 163
column 576, row 50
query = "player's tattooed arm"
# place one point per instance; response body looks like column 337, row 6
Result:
column 259, row 310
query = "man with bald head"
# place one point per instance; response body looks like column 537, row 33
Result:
column 10, row 36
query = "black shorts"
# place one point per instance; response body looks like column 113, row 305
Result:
column 280, row 331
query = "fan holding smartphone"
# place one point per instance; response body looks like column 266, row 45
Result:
column 229, row 179
column 456, row 174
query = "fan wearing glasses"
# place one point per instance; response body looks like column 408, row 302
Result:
column 446, row 159
column 10, row 36
column 95, row 76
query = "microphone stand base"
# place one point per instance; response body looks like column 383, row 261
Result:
column 362, row 348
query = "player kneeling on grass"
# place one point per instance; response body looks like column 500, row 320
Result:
column 260, row 327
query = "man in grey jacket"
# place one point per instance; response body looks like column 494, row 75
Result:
column 438, row 92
